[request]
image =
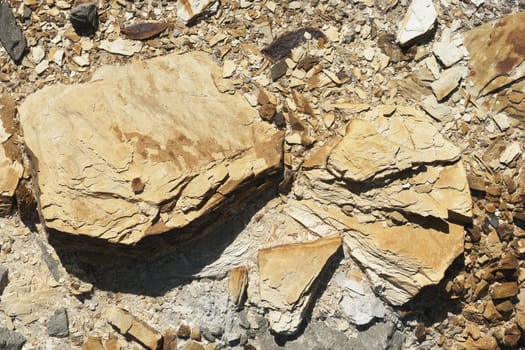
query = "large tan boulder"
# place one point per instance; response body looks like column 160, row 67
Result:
column 145, row 148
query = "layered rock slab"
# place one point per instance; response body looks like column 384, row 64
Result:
column 288, row 277
column 397, row 190
column 497, row 67
column 145, row 148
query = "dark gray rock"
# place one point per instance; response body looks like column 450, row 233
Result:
column 84, row 18
column 10, row 340
column 58, row 325
column 11, row 36
column 318, row 336
column 4, row 279
column 278, row 70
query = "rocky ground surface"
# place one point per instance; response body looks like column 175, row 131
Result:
column 354, row 169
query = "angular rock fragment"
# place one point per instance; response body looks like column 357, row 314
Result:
column 237, row 283
column 359, row 302
column 399, row 260
column 283, row 45
column 396, row 163
column 142, row 31
column 190, row 11
column 84, row 17
column 4, row 278
column 496, row 54
column 447, row 53
column 161, row 121
column 121, row 46
column 288, row 279
column 58, row 325
column 129, row 325
column 11, row 168
column 447, row 82
column 11, row 36
column 11, row 340
column 418, row 21
column 93, row 343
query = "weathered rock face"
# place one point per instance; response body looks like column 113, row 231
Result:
column 386, row 184
column 288, row 279
column 496, row 62
column 145, row 148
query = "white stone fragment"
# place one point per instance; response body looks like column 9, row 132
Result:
column 37, row 54
column 502, row 121
column 41, row 67
column 58, row 57
column 228, row 68
column 121, row 46
column 511, row 153
column 368, row 54
column 447, row 53
column 418, row 20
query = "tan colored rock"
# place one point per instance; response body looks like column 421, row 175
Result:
column 447, row 82
column 93, row 343
column 129, row 325
column 153, row 146
column 389, row 147
column 504, row 290
column 486, row 343
column 418, row 20
column 496, row 53
column 237, row 283
column 399, row 260
column 491, row 313
column 288, row 276
column 372, row 150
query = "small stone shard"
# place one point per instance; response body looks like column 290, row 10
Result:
column 418, row 21
column 4, row 278
column 84, row 17
column 504, row 290
column 190, row 11
column 11, row 36
column 129, row 325
column 10, row 340
column 447, row 82
column 447, row 53
column 143, row 31
column 121, row 46
column 288, row 275
column 283, row 45
column 58, row 324
column 237, row 283
column 93, row 343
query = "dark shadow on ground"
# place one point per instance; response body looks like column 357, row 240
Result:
column 158, row 263
column 433, row 304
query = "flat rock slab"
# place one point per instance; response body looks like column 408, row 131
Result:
column 496, row 53
column 288, row 278
column 145, row 148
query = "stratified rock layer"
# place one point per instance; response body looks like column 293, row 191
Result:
column 145, row 148
column 396, row 189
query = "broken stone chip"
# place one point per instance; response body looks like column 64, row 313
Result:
column 283, row 45
column 129, row 325
column 161, row 121
column 142, row 31
column 190, row 11
column 237, row 283
column 11, row 36
column 288, row 276
column 84, row 17
column 418, row 20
